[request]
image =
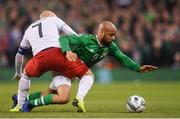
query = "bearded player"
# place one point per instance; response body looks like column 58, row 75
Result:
column 91, row 49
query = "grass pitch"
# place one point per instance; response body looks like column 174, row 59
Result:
column 103, row 101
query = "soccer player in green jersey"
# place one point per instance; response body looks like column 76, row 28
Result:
column 91, row 49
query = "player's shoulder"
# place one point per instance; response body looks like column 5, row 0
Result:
column 88, row 38
column 86, row 35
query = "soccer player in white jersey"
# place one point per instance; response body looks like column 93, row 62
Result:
column 42, row 36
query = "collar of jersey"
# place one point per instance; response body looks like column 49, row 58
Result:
column 98, row 41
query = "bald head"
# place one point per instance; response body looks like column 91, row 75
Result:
column 107, row 26
column 106, row 32
column 47, row 13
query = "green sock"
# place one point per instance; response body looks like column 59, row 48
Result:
column 46, row 100
column 33, row 96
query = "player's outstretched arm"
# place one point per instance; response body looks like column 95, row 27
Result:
column 123, row 59
column 147, row 68
column 129, row 63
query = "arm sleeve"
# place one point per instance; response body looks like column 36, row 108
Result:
column 19, row 63
column 122, row 58
column 67, row 40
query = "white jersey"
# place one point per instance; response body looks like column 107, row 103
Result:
column 44, row 34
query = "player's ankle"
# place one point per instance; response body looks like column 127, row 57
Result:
column 79, row 98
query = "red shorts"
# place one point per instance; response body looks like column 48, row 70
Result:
column 53, row 59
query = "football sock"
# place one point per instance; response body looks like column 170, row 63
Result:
column 85, row 84
column 46, row 100
column 23, row 88
column 33, row 96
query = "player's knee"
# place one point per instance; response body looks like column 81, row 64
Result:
column 63, row 99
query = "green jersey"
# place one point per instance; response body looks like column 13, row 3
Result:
column 88, row 48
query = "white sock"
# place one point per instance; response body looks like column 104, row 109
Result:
column 23, row 88
column 85, row 84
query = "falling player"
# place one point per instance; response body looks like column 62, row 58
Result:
column 91, row 49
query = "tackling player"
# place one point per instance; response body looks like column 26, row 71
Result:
column 42, row 36
column 91, row 49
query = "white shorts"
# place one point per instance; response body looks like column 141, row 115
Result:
column 59, row 80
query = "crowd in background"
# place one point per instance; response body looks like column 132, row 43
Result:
column 148, row 30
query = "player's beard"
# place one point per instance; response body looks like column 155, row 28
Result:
column 104, row 41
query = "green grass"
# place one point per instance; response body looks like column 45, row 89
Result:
column 103, row 101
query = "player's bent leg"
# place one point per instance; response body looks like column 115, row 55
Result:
column 38, row 94
column 85, row 84
column 62, row 85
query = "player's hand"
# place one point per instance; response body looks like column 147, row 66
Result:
column 71, row 56
column 16, row 77
column 147, row 68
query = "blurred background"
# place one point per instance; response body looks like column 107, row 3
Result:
column 148, row 32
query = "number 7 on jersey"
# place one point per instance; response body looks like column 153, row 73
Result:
column 39, row 25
